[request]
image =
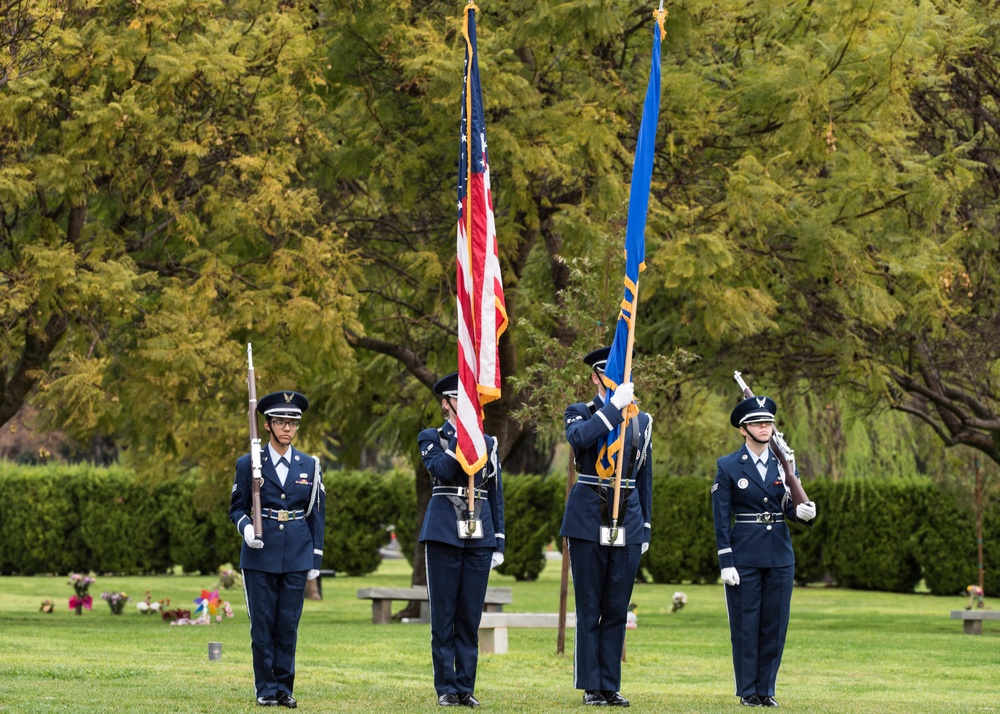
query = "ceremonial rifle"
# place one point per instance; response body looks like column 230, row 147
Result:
column 786, row 457
column 257, row 478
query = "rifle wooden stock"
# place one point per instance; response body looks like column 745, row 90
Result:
column 257, row 477
column 778, row 446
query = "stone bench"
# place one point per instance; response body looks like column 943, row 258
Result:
column 972, row 620
column 493, row 627
column 382, row 599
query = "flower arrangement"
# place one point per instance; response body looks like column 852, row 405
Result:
column 47, row 606
column 679, row 601
column 208, row 606
column 116, row 601
column 975, row 597
column 228, row 577
column 147, row 605
column 81, row 585
column 631, row 619
column 173, row 616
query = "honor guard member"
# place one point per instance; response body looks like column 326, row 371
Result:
column 751, row 507
column 459, row 558
column 276, row 566
column 604, row 571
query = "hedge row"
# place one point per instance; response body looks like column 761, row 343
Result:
column 86, row 518
column 877, row 535
column 869, row 535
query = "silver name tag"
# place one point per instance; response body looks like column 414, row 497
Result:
column 470, row 529
column 606, row 538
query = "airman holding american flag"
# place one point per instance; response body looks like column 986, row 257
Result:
column 463, row 527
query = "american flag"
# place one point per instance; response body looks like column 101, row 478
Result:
column 615, row 372
column 482, row 314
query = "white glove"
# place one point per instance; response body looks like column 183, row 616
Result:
column 623, row 395
column 805, row 511
column 730, row 576
column 645, row 547
column 497, row 559
column 249, row 537
column 312, row 574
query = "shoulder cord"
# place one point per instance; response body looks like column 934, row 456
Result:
column 315, row 488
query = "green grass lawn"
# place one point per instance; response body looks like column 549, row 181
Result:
column 847, row 651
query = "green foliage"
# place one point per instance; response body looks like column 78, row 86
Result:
column 40, row 535
column 811, row 542
column 682, row 543
column 116, row 523
column 106, row 520
column 991, row 555
column 872, row 534
column 155, row 220
column 200, row 537
column 360, row 506
column 947, row 545
column 533, row 509
column 404, row 497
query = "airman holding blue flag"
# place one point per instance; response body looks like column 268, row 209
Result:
column 604, row 566
column 608, row 510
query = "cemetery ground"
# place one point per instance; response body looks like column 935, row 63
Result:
column 847, row 651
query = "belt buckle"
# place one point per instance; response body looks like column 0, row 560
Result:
column 282, row 516
column 765, row 518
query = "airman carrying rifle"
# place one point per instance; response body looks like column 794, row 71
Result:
column 751, row 506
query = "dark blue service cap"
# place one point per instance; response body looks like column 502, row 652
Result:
column 753, row 410
column 447, row 386
column 284, row 405
column 598, row 358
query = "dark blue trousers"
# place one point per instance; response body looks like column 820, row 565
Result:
column 603, row 577
column 758, row 622
column 274, row 604
column 456, row 589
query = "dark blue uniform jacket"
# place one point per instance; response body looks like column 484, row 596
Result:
column 587, row 425
column 289, row 546
column 738, row 488
column 437, row 449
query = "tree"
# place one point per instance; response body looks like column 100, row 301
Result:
column 828, row 203
column 154, row 220
column 563, row 91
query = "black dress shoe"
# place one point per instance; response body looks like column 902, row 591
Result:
column 593, row 698
column 449, row 700
column 768, row 702
column 468, row 700
column 752, row 701
column 267, row 701
column 615, row 699
column 287, row 700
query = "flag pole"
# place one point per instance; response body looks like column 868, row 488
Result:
column 660, row 16
column 471, row 494
column 626, row 377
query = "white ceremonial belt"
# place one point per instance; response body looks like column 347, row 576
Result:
column 592, row 480
column 460, row 491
